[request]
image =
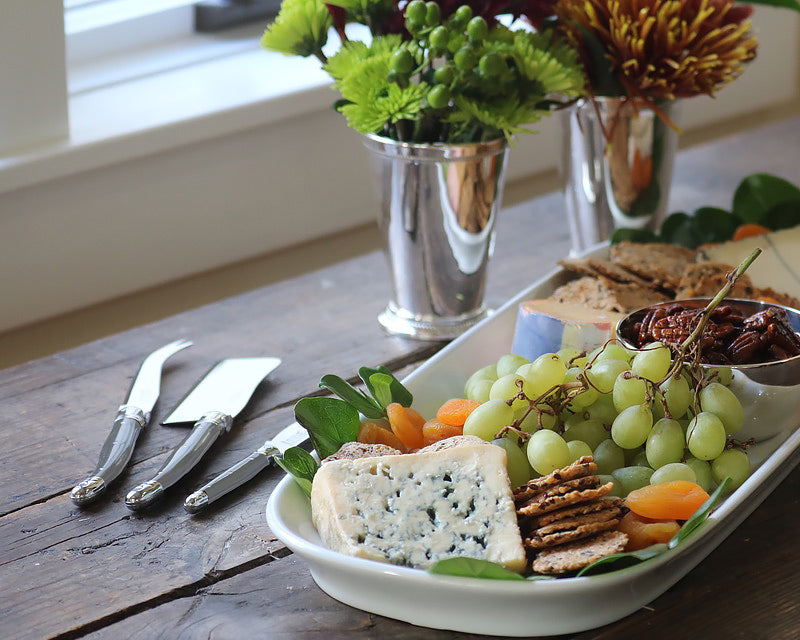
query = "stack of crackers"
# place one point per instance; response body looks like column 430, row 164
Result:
column 567, row 520
column 638, row 275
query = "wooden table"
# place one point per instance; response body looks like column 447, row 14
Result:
column 104, row 572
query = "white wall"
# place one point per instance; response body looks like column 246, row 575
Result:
column 96, row 233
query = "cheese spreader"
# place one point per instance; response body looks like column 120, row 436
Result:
column 132, row 418
column 245, row 469
column 212, row 405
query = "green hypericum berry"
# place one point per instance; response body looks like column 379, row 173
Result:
column 477, row 29
column 464, row 59
column 439, row 37
column 492, row 64
column 416, row 11
column 402, row 62
column 444, row 75
column 433, row 14
column 463, row 14
column 439, row 96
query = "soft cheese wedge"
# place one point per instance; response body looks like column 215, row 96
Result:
column 416, row 509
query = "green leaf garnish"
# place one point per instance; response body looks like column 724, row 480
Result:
column 358, row 399
column 784, row 4
column 618, row 561
column 473, row 568
column 300, row 465
column 330, row 422
column 626, row 234
column 700, row 516
column 759, row 193
column 398, row 392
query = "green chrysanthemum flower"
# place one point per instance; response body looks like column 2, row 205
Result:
column 300, row 29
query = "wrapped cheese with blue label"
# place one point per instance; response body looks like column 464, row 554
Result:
column 545, row 326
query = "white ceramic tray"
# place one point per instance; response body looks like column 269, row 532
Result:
column 514, row 608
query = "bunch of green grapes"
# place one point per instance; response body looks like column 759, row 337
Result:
column 643, row 418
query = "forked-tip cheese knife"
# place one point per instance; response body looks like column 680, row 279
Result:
column 131, row 418
column 245, row 469
column 212, row 405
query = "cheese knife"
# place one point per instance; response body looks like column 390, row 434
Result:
column 131, row 419
column 246, row 469
column 211, row 405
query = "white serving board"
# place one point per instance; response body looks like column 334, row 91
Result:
column 513, row 608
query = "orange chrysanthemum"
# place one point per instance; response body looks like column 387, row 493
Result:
column 659, row 49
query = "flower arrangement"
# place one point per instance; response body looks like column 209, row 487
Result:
column 436, row 71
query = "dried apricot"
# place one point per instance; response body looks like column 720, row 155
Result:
column 642, row 532
column 406, row 424
column 456, row 411
column 373, row 433
column 675, row 500
column 434, row 430
column 748, row 230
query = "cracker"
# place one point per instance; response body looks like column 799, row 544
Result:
column 582, row 467
column 606, row 503
column 603, row 294
column 560, row 489
column 356, row 450
column 579, row 554
column 553, row 502
column 604, row 268
column 705, row 279
column 660, row 263
column 452, row 441
column 556, row 538
column 565, row 524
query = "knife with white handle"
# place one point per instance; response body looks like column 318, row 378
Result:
column 212, row 405
column 246, row 469
column 131, row 418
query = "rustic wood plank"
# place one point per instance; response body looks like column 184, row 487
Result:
column 734, row 593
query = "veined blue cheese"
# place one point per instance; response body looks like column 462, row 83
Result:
column 416, row 509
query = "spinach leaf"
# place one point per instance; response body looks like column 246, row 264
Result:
column 629, row 234
column 299, row 464
column 715, row 225
column 398, row 392
column 785, row 4
column 783, row 216
column 759, row 193
column 358, row 399
column 330, row 422
column 679, row 228
column 700, row 516
column 619, row 561
column 473, row 568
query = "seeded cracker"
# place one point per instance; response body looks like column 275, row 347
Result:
column 553, row 502
column 573, row 556
column 583, row 466
column 660, row 263
column 356, row 450
column 560, row 537
column 611, row 504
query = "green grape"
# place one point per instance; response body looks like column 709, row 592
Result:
column 616, row 490
column 444, row 75
column 603, row 410
column 487, row 419
column 723, row 403
column 477, row 29
column 632, row 426
column 640, row 460
column 632, row 454
column 678, row 396
column 402, row 62
column 416, row 11
column 489, row 372
column 733, row 464
column 652, row 362
column 439, row 38
column 509, row 363
column 433, row 13
column 547, row 451
column 584, row 399
column 672, row 472
column 507, row 387
column 544, row 373
column 705, row 436
column 631, row 478
column 628, row 391
column 665, row 443
column 614, row 351
column 531, row 421
column 569, row 356
column 479, row 390
column 604, row 374
column 578, row 449
column 439, row 96
column 517, row 465
column 608, row 456
column 702, row 472
column 592, row 432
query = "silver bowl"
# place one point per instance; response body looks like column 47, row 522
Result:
column 782, row 373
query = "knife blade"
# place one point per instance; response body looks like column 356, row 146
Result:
column 131, row 419
column 212, row 405
column 246, row 469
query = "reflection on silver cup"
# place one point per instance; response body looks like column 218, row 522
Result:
column 439, row 204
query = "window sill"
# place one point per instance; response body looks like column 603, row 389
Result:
column 154, row 112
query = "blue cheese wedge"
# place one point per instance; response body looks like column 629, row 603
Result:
column 416, row 509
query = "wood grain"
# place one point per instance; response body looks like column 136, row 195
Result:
column 103, row 572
